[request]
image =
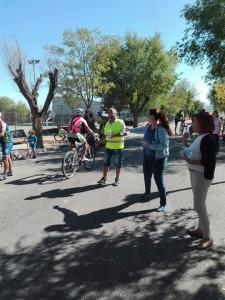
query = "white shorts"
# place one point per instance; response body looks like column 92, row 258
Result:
column 78, row 136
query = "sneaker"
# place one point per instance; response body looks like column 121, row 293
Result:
column 117, row 181
column 102, row 181
column 3, row 176
column 10, row 173
column 144, row 196
column 205, row 244
column 34, row 156
column 195, row 233
column 161, row 209
column 84, row 158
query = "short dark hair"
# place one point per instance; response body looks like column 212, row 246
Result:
column 206, row 122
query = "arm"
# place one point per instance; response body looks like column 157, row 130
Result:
column 208, row 152
column 3, row 129
column 139, row 130
column 161, row 140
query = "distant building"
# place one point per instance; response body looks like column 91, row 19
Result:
column 62, row 112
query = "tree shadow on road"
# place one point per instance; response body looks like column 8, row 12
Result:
column 152, row 259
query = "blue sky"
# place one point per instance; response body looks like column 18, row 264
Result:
column 36, row 23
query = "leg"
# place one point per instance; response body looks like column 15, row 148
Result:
column 84, row 148
column 148, row 165
column 5, row 159
column 118, row 156
column 107, row 161
column 175, row 128
column 159, row 168
column 200, row 188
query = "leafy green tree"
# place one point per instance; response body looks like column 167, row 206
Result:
column 182, row 96
column 6, row 104
column 142, row 71
column 84, row 58
column 217, row 95
column 204, row 37
column 23, row 111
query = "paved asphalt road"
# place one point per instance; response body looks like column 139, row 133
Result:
column 72, row 239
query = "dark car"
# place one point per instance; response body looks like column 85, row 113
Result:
column 18, row 136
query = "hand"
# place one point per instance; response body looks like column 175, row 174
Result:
column 146, row 145
column 185, row 136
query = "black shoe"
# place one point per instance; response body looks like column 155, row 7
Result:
column 102, row 181
column 144, row 196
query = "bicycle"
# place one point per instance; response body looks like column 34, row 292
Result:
column 61, row 136
column 72, row 159
column 186, row 127
column 29, row 153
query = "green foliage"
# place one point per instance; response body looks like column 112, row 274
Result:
column 6, row 104
column 143, row 70
column 9, row 106
column 182, row 97
column 203, row 40
column 23, row 111
column 217, row 95
column 84, row 58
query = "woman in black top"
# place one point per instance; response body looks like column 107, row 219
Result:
column 201, row 160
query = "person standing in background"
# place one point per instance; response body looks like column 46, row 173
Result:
column 6, row 143
column 32, row 140
column 217, row 128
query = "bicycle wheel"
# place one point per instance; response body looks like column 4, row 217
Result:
column 181, row 129
column 58, row 138
column 90, row 154
column 70, row 163
column 28, row 154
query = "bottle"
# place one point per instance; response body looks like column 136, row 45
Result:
column 188, row 153
column 109, row 133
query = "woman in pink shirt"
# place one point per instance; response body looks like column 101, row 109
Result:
column 216, row 131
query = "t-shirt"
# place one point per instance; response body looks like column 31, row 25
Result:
column 32, row 139
column 7, row 137
column 77, row 125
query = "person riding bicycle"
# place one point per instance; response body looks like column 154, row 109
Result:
column 77, row 128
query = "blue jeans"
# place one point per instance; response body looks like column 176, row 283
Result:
column 157, row 168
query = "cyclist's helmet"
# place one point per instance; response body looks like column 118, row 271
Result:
column 79, row 112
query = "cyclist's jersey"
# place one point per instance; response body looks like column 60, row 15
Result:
column 77, row 125
column 7, row 137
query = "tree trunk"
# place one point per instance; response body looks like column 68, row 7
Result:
column 38, row 128
column 135, row 122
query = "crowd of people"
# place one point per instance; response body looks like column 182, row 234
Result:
column 200, row 155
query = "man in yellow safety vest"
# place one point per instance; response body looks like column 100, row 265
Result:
column 114, row 132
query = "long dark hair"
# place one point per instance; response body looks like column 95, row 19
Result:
column 159, row 115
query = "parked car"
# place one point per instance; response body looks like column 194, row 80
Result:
column 18, row 136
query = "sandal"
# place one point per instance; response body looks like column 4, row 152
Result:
column 195, row 232
column 205, row 244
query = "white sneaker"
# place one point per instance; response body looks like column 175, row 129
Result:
column 84, row 158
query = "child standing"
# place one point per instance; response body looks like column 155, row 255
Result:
column 32, row 140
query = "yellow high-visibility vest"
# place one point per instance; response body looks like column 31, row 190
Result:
column 114, row 128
